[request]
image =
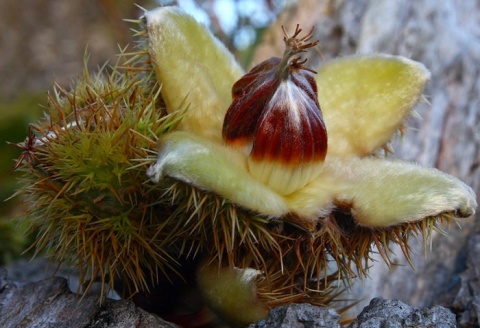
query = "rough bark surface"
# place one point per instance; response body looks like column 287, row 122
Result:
column 50, row 303
column 467, row 300
column 387, row 313
column 445, row 36
column 300, row 316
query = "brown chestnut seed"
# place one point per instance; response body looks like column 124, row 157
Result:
column 275, row 118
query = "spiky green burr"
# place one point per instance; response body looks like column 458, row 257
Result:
column 83, row 175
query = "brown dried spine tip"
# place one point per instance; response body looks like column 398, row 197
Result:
column 298, row 45
column 275, row 116
column 295, row 46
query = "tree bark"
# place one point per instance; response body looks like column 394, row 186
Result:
column 50, row 303
column 445, row 36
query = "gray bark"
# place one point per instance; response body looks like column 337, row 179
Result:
column 300, row 316
column 50, row 303
column 467, row 300
column 387, row 313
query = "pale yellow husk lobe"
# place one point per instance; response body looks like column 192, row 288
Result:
column 194, row 68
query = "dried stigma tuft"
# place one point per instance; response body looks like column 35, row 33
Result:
column 275, row 118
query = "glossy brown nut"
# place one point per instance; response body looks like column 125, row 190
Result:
column 275, row 114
